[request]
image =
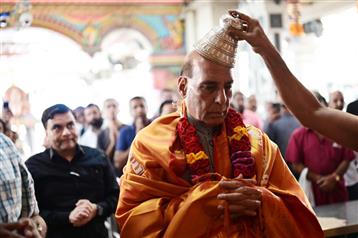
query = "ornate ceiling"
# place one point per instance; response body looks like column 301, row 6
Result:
column 88, row 22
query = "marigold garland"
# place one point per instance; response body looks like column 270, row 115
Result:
column 198, row 161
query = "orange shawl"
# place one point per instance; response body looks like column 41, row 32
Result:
column 155, row 202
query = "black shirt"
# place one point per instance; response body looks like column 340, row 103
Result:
column 59, row 184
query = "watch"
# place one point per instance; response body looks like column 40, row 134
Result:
column 99, row 210
column 337, row 177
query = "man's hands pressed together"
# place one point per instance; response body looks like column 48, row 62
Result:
column 242, row 199
column 84, row 212
column 24, row 228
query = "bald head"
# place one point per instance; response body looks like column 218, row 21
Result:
column 336, row 100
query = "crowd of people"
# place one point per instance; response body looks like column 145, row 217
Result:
column 207, row 165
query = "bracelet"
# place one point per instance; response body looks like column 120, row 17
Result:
column 336, row 176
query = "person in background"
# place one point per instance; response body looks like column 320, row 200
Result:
column 238, row 102
column 168, row 94
column 273, row 111
column 326, row 161
column 94, row 122
column 3, row 128
column 353, row 107
column 108, row 136
column 18, row 206
column 252, row 103
column 280, row 130
column 7, row 116
column 203, row 172
column 166, row 107
column 249, row 117
column 351, row 176
column 165, row 96
column 138, row 110
column 336, row 100
column 75, row 185
column 80, row 119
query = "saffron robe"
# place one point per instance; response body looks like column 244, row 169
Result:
column 156, row 201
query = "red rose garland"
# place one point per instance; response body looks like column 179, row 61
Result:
column 198, row 161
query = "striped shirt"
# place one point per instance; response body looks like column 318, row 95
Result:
column 17, row 193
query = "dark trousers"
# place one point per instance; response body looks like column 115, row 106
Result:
column 353, row 192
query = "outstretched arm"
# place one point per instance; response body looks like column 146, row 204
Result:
column 337, row 125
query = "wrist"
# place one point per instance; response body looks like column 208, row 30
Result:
column 312, row 176
column 336, row 176
column 268, row 51
column 99, row 210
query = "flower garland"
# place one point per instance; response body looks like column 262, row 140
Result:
column 198, row 161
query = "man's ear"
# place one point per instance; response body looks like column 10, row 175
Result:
column 182, row 85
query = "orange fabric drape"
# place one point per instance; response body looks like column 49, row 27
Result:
column 156, row 201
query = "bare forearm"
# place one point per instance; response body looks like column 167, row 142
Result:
column 120, row 158
column 337, row 125
column 342, row 168
column 313, row 177
column 110, row 149
column 298, row 167
column 300, row 100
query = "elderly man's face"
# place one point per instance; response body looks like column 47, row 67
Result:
column 336, row 100
column 208, row 92
column 61, row 132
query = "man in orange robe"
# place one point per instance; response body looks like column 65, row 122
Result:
column 202, row 173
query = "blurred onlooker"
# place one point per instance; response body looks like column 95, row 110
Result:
column 75, row 185
column 166, row 107
column 6, row 117
column 6, row 113
column 249, row 117
column 273, row 111
column 168, row 94
column 138, row 110
column 336, row 100
column 325, row 163
column 94, row 120
column 238, row 102
column 18, row 204
column 280, row 131
column 108, row 136
column 79, row 113
column 351, row 176
column 252, row 103
column 2, row 126
column 353, row 107
column 320, row 98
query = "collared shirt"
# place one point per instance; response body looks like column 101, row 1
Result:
column 59, row 184
column 16, row 185
column 321, row 156
column 89, row 138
